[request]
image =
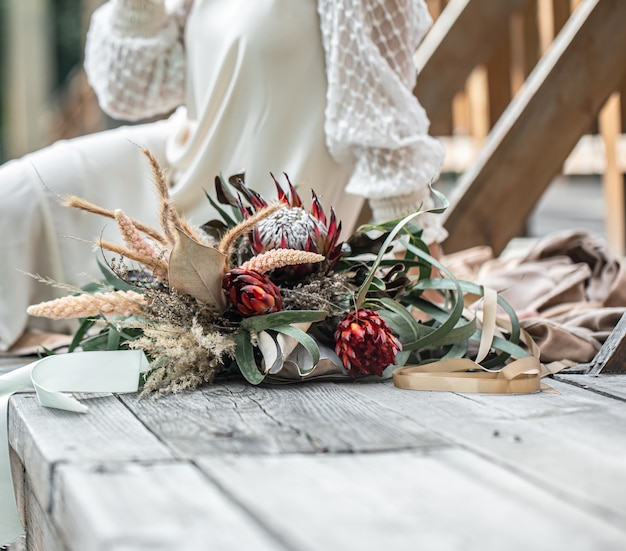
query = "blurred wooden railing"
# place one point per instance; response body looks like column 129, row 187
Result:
column 477, row 59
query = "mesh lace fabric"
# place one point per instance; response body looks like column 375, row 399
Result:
column 373, row 121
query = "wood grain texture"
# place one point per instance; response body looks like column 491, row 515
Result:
column 309, row 418
column 611, row 358
column 448, row 499
column 572, row 444
column 327, row 466
column 607, row 385
column 155, row 507
column 540, row 127
column 453, row 47
column 45, row 437
column 613, row 178
column 499, row 79
column 41, row 535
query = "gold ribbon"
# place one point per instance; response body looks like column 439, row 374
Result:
column 457, row 375
column 521, row 376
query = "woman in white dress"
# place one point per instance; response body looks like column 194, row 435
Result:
column 319, row 89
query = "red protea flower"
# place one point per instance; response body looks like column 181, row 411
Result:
column 365, row 344
column 251, row 293
column 292, row 227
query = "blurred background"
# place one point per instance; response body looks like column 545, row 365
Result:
column 43, row 92
column 44, row 97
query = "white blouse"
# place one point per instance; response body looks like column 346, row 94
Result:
column 355, row 100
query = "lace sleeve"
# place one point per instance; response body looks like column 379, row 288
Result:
column 134, row 58
column 373, row 122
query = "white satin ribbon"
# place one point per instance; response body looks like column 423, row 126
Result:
column 114, row 371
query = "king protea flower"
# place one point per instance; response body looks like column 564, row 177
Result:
column 365, row 344
column 292, row 227
column 251, row 293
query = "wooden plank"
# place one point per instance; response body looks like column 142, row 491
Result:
column 613, row 179
column 586, row 157
column 136, row 507
column 310, row 418
column 611, row 358
column 532, row 46
column 623, row 110
column 546, row 24
column 19, row 485
column 44, row 437
column 446, row 499
column 40, row 534
column 453, row 47
column 561, row 11
column 518, row 75
column 478, row 99
column 499, row 79
column 571, row 444
column 608, row 385
column 539, row 129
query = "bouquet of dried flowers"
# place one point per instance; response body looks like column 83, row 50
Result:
column 270, row 291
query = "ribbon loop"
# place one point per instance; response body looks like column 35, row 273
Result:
column 116, row 371
column 463, row 375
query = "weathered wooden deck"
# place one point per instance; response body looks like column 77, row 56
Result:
column 327, row 466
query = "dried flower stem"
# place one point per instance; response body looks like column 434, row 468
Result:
column 148, row 261
column 49, row 281
column 135, row 242
column 82, row 204
column 113, row 303
column 278, row 258
column 227, row 242
column 170, row 219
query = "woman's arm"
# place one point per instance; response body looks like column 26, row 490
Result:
column 373, row 121
column 134, row 59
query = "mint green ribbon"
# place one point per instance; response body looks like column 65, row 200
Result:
column 114, row 371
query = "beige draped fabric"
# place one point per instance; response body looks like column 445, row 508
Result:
column 569, row 291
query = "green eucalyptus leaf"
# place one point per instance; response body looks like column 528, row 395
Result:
column 403, row 320
column 225, row 217
column 285, row 317
column 457, row 350
column 85, row 325
column 97, row 342
column 113, row 338
column 362, row 292
column 46, row 352
column 469, row 287
column 361, row 243
column 113, row 280
column 509, row 348
column 403, row 331
column 442, row 199
column 93, row 287
column 462, row 332
column 378, row 284
column 458, row 303
column 244, row 356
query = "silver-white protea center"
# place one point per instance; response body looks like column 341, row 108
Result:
column 288, row 228
column 292, row 227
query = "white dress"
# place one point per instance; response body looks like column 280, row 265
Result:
column 264, row 91
column 257, row 105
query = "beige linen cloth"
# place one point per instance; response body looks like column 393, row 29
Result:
column 569, row 290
